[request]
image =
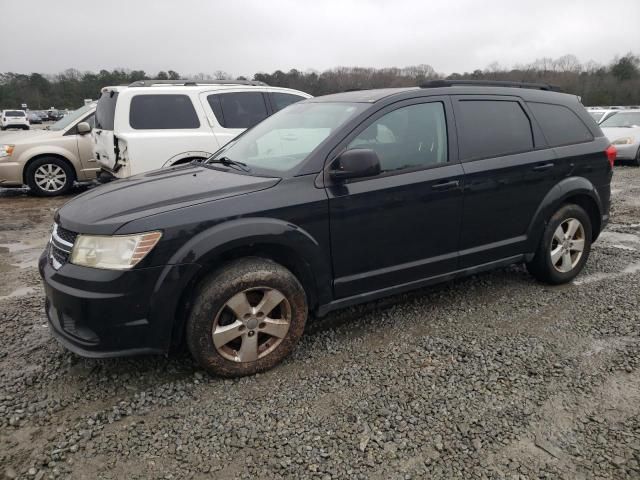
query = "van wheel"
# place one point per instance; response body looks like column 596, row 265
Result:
column 246, row 318
column 49, row 176
column 564, row 248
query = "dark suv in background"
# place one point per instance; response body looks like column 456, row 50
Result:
column 330, row 202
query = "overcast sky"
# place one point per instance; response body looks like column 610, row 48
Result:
column 246, row 36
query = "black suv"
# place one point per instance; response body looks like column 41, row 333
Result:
column 330, row 202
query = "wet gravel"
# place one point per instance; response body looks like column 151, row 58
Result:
column 495, row 376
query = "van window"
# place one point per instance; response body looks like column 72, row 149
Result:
column 238, row 109
column 559, row 124
column 492, row 128
column 106, row 110
column 281, row 100
column 161, row 112
column 409, row 137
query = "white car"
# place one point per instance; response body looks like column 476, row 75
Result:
column 623, row 130
column 601, row 114
column 14, row 119
column 152, row 124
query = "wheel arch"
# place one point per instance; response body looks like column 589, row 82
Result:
column 576, row 190
column 282, row 242
column 48, row 155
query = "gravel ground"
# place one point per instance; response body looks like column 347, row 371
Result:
column 495, row 376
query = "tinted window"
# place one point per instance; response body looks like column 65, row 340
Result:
column 151, row 112
column 409, row 137
column 106, row 110
column 559, row 124
column 238, row 110
column 281, row 100
column 492, row 128
column 14, row 113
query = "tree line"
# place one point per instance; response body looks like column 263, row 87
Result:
column 617, row 83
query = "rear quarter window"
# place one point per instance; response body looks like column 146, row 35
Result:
column 492, row 128
column 162, row 112
column 280, row 100
column 559, row 124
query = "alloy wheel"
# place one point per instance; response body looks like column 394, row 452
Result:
column 251, row 324
column 567, row 245
column 50, row 177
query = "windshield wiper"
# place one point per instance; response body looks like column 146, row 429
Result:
column 227, row 162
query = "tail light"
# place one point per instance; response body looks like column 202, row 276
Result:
column 611, row 154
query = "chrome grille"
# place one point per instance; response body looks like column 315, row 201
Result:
column 60, row 245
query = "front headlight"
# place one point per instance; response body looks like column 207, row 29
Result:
column 623, row 141
column 118, row 252
column 6, row 150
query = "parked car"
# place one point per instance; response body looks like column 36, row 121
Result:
column 49, row 161
column 600, row 115
column 623, row 130
column 153, row 124
column 34, row 118
column 328, row 203
column 14, row 119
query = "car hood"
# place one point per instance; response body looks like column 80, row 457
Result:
column 613, row 133
column 28, row 136
column 106, row 208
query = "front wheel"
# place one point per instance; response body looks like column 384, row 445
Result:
column 49, row 176
column 564, row 248
column 246, row 318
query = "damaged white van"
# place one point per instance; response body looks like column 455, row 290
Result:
column 152, row 124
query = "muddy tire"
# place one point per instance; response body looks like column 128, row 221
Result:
column 564, row 248
column 49, row 176
column 246, row 318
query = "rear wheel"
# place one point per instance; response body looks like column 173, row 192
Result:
column 49, row 176
column 247, row 317
column 565, row 246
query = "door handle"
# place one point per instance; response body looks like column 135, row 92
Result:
column 446, row 185
column 543, row 167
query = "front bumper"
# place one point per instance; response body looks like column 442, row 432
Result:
column 106, row 313
column 10, row 173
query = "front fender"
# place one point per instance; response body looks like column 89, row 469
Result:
column 54, row 150
column 568, row 187
column 211, row 246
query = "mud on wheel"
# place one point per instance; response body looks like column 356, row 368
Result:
column 247, row 317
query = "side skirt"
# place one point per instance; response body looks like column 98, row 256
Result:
column 396, row 289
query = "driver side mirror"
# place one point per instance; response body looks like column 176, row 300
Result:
column 83, row 128
column 355, row 163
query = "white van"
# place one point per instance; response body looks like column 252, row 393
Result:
column 152, row 124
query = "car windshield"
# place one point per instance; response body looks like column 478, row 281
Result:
column 622, row 119
column 13, row 113
column 282, row 141
column 64, row 122
column 596, row 115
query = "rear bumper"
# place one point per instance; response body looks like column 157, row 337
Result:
column 105, row 313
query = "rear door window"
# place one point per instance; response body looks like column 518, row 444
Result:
column 559, row 124
column 280, row 100
column 106, row 110
column 162, row 112
column 492, row 128
column 238, row 109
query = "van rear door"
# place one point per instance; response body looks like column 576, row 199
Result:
column 104, row 148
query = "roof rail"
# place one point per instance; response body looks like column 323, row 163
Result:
column 490, row 83
column 192, row 83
